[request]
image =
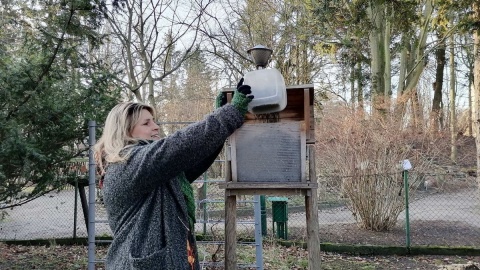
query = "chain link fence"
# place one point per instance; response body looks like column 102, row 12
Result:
column 444, row 210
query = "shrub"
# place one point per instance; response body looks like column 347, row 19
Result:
column 361, row 155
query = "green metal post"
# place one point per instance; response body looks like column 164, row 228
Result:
column 407, row 215
column 263, row 214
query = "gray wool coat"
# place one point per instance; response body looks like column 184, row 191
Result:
column 146, row 208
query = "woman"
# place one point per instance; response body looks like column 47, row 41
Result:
column 147, row 191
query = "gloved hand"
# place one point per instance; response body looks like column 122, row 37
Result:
column 220, row 100
column 242, row 96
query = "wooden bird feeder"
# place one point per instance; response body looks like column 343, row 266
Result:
column 274, row 154
column 270, row 153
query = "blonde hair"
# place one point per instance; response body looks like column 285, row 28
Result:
column 116, row 136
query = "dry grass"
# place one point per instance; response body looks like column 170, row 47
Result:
column 275, row 257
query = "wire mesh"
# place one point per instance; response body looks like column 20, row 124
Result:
column 444, row 211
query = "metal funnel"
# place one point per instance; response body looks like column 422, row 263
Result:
column 261, row 55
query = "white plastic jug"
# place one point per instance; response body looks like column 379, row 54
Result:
column 269, row 90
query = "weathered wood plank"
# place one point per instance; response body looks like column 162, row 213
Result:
column 230, row 224
column 311, row 209
column 268, row 185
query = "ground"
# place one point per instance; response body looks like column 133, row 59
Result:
column 276, row 258
column 443, row 233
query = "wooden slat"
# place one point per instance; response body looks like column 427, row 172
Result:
column 306, row 110
column 269, row 192
column 311, row 131
column 300, row 86
column 233, row 158
column 269, row 185
column 303, row 154
column 285, row 114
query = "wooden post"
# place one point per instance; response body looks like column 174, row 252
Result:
column 311, row 209
column 230, row 220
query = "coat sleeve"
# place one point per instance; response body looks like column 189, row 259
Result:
column 193, row 173
column 149, row 165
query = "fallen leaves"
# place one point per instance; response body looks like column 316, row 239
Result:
column 276, row 257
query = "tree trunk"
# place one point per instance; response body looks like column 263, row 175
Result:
column 417, row 111
column 471, row 92
column 476, row 83
column 471, row 105
column 359, row 76
column 437, row 86
column 352, row 86
column 377, row 50
column 412, row 62
column 387, row 75
column 453, row 117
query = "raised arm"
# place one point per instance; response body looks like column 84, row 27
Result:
column 193, row 173
column 150, row 164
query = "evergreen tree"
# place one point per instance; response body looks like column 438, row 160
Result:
column 51, row 84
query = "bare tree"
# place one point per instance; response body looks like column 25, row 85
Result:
column 153, row 39
column 412, row 62
column 284, row 26
column 436, row 119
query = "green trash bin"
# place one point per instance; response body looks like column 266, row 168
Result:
column 280, row 216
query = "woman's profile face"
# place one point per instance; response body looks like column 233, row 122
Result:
column 146, row 128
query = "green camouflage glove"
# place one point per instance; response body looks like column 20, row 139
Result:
column 220, row 100
column 242, row 96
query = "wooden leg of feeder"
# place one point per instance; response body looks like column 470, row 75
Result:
column 313, row 243
column 230, row 233
column 230, row 223
column 311, row 207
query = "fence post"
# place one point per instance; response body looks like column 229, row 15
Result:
column 204, row 205
column 75, row 211
column 263, row 214
column 407, row 215
column 258, row 232
column 91, row 196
